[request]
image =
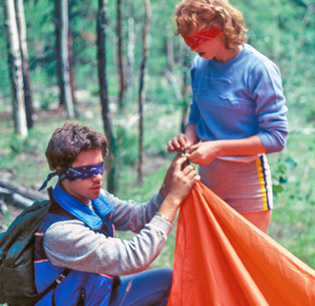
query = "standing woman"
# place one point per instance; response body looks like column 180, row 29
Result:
column 237, row 114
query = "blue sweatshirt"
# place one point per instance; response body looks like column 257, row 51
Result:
column 239, row 98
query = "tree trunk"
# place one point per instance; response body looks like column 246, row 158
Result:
column 130, row 52
column 141, row 88
column 15, row 67
column 106, row 115
column 185, row 88
column 20, row 18
column 63, row 56
column 121, row 74
column 57, row 23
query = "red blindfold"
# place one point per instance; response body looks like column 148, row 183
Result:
column 201, row 37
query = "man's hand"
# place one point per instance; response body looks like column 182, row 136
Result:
column 182, row 180
column 179, row 183
column 168, row 177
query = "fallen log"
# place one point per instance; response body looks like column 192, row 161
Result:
column 20, row 195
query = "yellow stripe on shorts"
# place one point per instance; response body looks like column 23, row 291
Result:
column 262, row 182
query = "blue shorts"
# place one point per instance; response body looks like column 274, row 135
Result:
column 148, row 288
column 246, row 187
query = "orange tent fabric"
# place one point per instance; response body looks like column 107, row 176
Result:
column 221, row 259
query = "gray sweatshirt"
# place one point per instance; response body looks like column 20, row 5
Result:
column 74, row 245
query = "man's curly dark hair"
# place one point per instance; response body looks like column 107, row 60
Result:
column 68, row 141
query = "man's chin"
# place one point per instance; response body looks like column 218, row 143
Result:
column 95, row 195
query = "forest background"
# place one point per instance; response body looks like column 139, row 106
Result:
column 283, row 30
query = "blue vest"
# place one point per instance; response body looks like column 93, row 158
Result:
column 78, row 288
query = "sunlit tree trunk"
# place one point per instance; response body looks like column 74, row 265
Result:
column 62, row 13
column 71, row 70
column 106, row 114
column 141, row 88
column 20, row 18
column 121, row 73
column 71, row 60
column 15, row 67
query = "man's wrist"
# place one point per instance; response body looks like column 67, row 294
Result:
column 164, row 190
column 164, row 217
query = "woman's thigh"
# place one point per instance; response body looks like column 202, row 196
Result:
column 259, row 219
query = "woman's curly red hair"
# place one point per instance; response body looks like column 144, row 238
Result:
column 190, row 15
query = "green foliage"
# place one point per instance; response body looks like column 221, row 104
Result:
column 280, row 174
column 293, row 171
column 128, row 146
column 41, row 41
column 293, row 228
column 47, row 99
column 25, row 159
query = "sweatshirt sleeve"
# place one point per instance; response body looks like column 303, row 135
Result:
column 132, row 216
column 73, row 245
column 266, row 90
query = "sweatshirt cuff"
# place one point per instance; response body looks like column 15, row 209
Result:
column 161, row 224
column 159, row 198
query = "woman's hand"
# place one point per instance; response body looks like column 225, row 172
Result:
column 183, row 141
column 179, row 143
column 203, row 153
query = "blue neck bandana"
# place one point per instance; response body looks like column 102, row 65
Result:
column 75, row 173
column 94, row 220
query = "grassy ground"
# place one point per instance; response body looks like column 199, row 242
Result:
column 293, row 171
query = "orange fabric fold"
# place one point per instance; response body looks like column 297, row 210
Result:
column 222, row 259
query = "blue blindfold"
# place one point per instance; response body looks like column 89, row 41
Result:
column 75, row 173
